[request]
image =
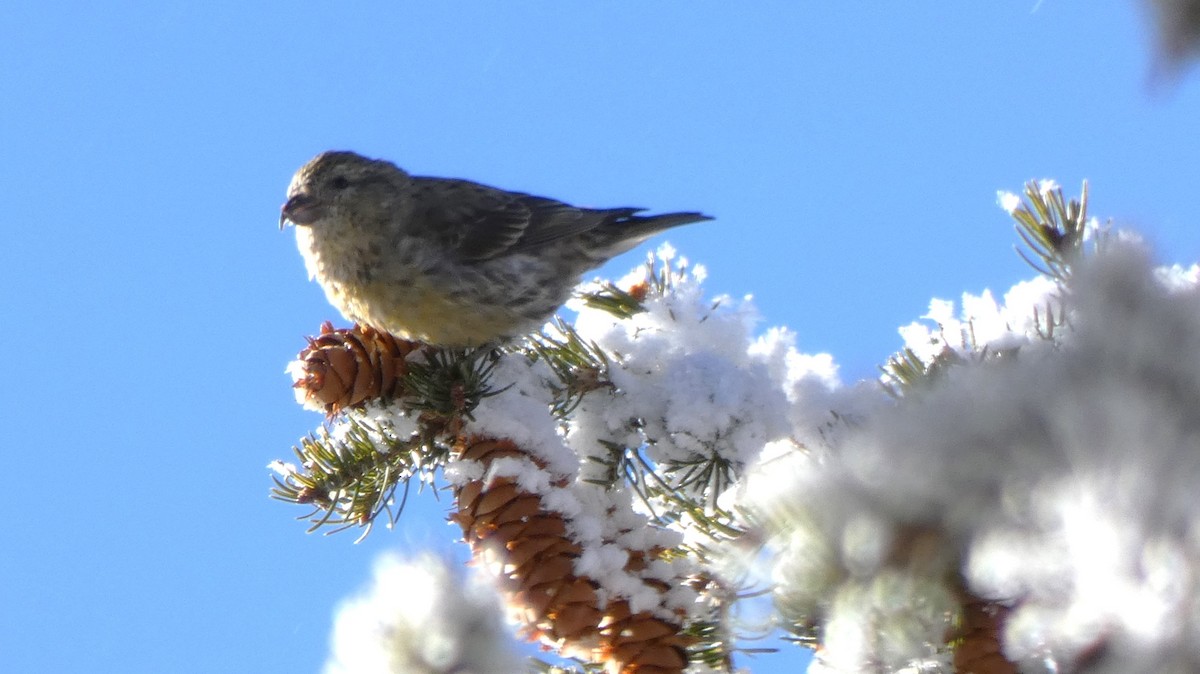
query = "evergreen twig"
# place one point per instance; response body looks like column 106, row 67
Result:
column 579, row 366
column 620, row 303
column 1053, row 229
column 350, row 480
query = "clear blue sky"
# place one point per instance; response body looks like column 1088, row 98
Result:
column 850, row 152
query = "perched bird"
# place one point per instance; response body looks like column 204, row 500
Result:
column 448, row 262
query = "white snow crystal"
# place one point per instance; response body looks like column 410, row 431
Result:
column 421, row 617
column 1066, row 476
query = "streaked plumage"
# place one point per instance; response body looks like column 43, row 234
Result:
column 445, row 261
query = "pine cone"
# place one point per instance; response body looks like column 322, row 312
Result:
column 978, row 650
column 537, row 558
column 345, row 367
column 977, row 641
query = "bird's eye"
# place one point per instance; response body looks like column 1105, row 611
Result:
column 339, row 183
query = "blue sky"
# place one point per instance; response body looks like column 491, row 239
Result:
column 850, row 154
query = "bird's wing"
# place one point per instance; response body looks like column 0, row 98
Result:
column 482, row 222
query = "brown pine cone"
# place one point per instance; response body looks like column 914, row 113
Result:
column 978, row 649
column 348, row 366
column 538, row 561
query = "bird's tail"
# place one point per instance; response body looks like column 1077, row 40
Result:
column 637, row 228
column 623, row 229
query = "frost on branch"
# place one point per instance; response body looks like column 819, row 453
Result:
column 692, row 393
column 1024, row 499
column 591, row 465
column 1056, row 481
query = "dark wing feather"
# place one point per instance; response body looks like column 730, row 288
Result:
column 482, row 222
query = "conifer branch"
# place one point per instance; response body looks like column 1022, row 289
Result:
column 618, row 302
column 1053, row 229
column 351, row 477
column 398, row 411
column 350, row 480
column 579, row 366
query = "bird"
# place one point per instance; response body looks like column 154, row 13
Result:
column 445, row 261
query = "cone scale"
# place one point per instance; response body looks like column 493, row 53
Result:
column 537, row 560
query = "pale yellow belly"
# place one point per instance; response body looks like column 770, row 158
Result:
column 425, row 313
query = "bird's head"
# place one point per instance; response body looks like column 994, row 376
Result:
column 335, row 185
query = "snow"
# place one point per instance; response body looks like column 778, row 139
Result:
column 1053, row 465
column 982, row 322
column 1008, row 201
column 422, row 617
column 1065, row 476
column 691, row 385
